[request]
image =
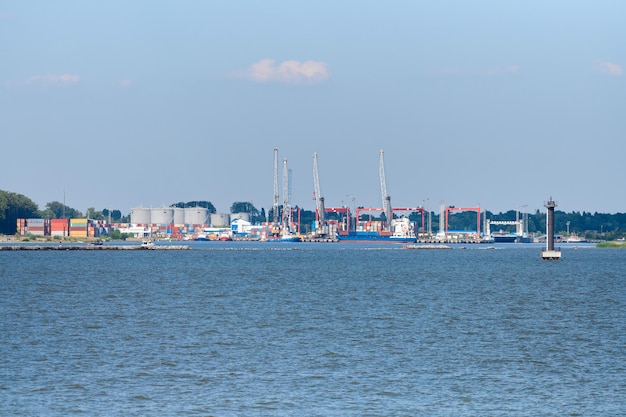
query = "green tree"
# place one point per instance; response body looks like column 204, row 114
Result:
column 190, row 204
column 262, row 217
column 116, row 215
column 93, row 214
column 247, row 207
column 61, row 211
column 15, row 206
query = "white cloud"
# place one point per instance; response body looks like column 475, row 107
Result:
column 506, row 70
column 469, row 72
column 608, row 68
column 288, row 71
column 48, row 79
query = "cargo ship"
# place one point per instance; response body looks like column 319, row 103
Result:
column 402, row 231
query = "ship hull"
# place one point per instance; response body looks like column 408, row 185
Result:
column 504, row 238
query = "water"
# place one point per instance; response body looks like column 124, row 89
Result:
column 253, row 329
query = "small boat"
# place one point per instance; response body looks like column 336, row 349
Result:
column 285, row 238
column 224, row 237
column 575, row 239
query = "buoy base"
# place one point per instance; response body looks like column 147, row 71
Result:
column 551, row 255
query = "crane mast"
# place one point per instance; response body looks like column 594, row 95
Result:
column 319, row 200
column 383, row 191
column 275, row 212
column 286, row 205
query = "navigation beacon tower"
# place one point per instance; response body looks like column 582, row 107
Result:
column 550, row 253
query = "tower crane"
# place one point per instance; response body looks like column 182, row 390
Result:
column 319, row 200
column 383, row 191
column 275, row 186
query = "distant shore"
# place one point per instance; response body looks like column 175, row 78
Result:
column 612, row 244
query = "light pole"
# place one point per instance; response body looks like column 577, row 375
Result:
column 430, row 232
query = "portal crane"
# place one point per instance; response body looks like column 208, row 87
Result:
column 317, row 195
column 275, row 187
column 383, row 191
column 286, row 205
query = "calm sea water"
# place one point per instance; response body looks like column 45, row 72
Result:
column 259, row 329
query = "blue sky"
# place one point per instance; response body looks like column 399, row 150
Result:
column 491, row 103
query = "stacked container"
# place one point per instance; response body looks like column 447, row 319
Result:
column 37, row 227
column 21, row 226
column 59, row 227
column 78, row 227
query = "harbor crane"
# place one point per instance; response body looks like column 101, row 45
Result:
column 286, row 199
column 320, row 213
column 383, row 190
column 275, row 219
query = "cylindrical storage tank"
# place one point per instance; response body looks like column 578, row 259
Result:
column 196, row 215
column 242, row 216
column 140, row 215
column 220, row 219
column 179, row 215
column 163, row 215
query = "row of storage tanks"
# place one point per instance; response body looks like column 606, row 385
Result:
column 182, row 216
column 60, row 227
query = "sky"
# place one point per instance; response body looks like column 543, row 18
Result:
column 492, row 104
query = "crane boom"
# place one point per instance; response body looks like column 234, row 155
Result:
column 383, row 182
column 383, row 190
column 275, row 186
column 319, row 200
column 286, row 207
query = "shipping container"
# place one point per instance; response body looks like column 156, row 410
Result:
column 59, row 224
column 21, row 227
column 78, row 233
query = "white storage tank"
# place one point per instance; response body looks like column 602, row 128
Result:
column 196, row 215
column 140, row 215
column 220, row 219
column 164, row 215
column 179, row 215
column 242, row 216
